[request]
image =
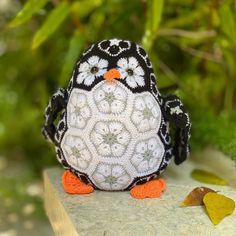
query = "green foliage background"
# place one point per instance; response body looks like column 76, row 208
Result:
column 192, row 45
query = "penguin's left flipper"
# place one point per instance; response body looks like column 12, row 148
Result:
column 176, row 114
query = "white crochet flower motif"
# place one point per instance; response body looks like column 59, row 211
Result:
column 110, row 98
column 148, row 155
column 91, row 69
column 110, row 138
column 77, row 152
column 146, row 113
column 131, row 71
column 78, row 110
column 111, row 177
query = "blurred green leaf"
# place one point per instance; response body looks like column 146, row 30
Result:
column 76, row 46
column 30, row 8
column 53, row 21
column 228, row 22
column 84, row 7
column 207, row 177
column 154, row 14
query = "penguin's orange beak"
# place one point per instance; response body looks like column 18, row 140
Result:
column 111, row 74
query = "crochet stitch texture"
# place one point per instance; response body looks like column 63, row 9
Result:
column 114, row 133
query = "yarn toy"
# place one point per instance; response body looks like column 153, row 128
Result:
column 113, row 125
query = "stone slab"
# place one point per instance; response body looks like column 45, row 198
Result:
column 116, row 213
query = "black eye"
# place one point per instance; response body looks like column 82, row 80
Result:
column 105, row 44
column 130, row 72
column 94, row 70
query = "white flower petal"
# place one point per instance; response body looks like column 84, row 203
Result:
column 120, row 94
column 68, row 149
column 153, row 163
column 104, row 169
column 131, row 81
column 157, row 152
column 117, row 149
column 81, row 100
column 70, row 141
column 104, row 106
column 123, row 63
column 139, row 71
column 82, row 164
column 155, row 111
column 99, row 95
column 101, row 128
column 117, row 171
column 71, row 108
column 152, row 144
column 123, row 73
column 136, row 159
column 116, row 186
column 99, row 177
column 85, row 155
column 115, row 127
column 153, row 122
column 123, row 137
column 141, row 147
column 104, row 149
column 79, row 144
column 73, row 160
column 73, row 119
column 140, row 104
column 89, row 80
column 101, row 72
column 81, row 77
column 103, row 63
column 96, row 138
column 84, row 67
column 73, row 100
column 93, row 60
column 109, row 87
column 139, row 80
column 133, row 63
column 149, row 102
column 123, row 180
column 105, row 186
column 137, row 117
column 144, row 125
column 117, row 106
column 85, row 112
column 80, row 122
column 143, row 166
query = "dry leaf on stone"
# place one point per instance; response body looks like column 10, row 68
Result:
column 218, row 206
column 195, row 197
column 207, row 177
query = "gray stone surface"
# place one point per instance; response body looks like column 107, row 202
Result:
column 116, row 213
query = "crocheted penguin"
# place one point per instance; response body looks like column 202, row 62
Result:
column 113, row 131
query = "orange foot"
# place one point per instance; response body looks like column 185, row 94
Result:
column 151, row 189
column 73, row 184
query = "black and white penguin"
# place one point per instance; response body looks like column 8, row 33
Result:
column 113, row 133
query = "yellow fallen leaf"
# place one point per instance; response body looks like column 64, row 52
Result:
column 195, row 197
column 218, row 206
column 207, row 177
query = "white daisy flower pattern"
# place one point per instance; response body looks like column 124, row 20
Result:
column 110, row 138
column 131, row 71
column 78, row 110
column 111, row 176
column 146, row 115
column 77, row 152
column 110, row 98
column 148, row 155
column 91, row 69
